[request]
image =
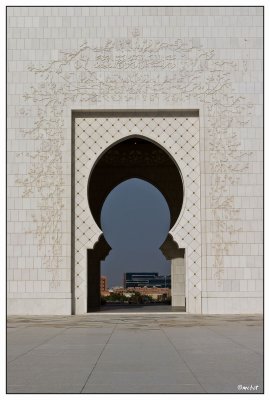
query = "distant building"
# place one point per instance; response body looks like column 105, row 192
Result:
column 116, row 288
column 105, row 293
column 156, row 293
column 146, row 279
column 103, row 283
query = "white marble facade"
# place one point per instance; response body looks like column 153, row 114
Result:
column 209, row 59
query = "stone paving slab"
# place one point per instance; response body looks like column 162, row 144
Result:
column 144, row 389
column 28, row 340
column 251, row 338
column 97, row 353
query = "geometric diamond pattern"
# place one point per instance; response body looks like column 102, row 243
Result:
column 180, row 137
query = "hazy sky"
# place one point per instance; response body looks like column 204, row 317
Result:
column 135, row 220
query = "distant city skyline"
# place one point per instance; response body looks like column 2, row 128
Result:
column 135, row 220
column 146, row 279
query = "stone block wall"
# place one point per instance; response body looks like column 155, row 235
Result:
column 178, row 273
column 61, row 59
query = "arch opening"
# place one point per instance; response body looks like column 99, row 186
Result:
column 140, row 158
column 135, row 221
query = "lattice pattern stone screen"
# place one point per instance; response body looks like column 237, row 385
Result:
column 179, row 136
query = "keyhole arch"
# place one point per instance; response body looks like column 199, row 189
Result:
column 131, row 157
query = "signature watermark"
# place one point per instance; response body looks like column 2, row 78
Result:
column 246, row 388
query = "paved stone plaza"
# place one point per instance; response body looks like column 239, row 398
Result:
column 138, row 353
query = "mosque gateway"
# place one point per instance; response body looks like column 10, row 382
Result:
column 85, row 84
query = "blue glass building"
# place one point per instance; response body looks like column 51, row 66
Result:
column 146, row 279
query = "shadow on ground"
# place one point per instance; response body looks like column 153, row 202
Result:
column 139, row 308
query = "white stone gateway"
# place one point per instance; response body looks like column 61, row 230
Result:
column 82, row 80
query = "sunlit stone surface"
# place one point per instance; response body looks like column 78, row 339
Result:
column 205, row 62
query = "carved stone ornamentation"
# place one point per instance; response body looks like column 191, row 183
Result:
column 179, row 136
column 142, row 70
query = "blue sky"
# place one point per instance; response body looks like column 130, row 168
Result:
column 135, row 220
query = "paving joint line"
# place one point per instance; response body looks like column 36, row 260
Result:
column 40, row 344
column 182, row 359
column 234, row 341
column 102, row 351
